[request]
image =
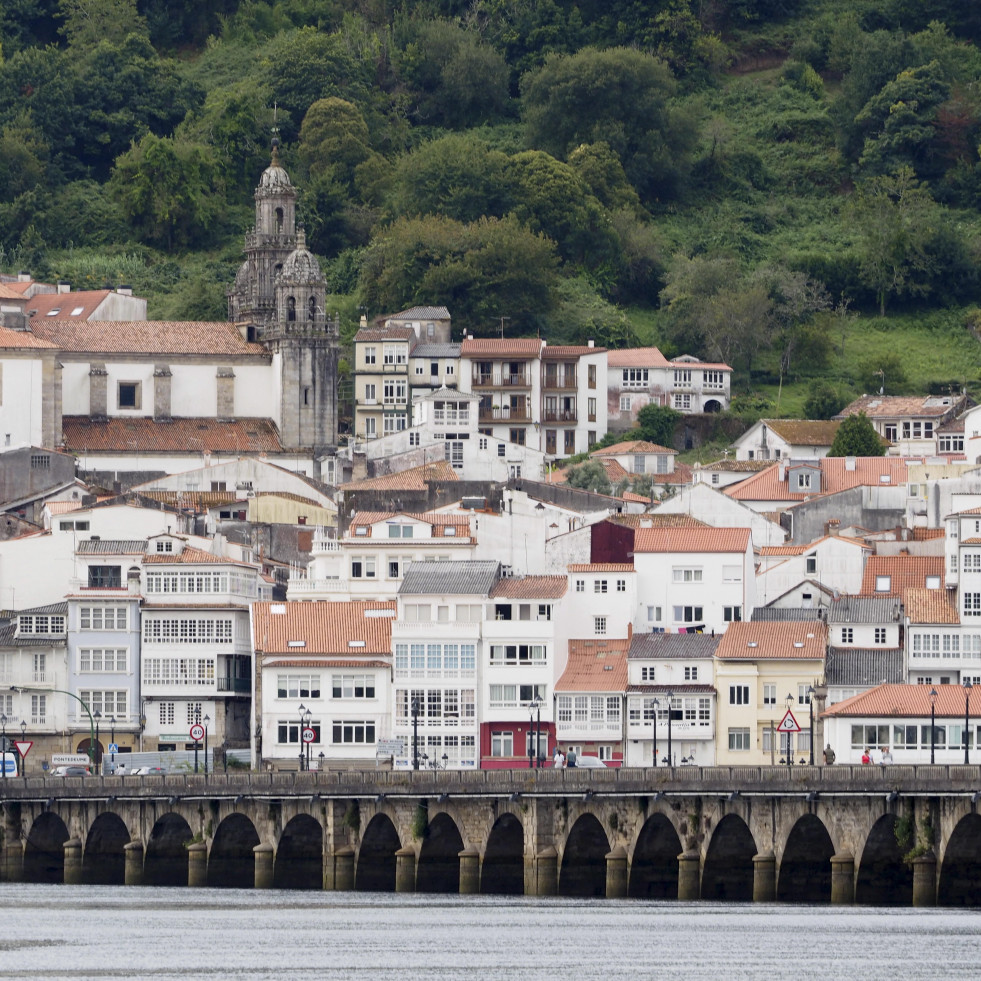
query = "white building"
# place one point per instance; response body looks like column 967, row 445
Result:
column 835, row 561
column 778, row 439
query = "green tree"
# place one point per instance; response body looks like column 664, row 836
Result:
column 823, row 401
column 87, row 23
column 856, row 436
column 334, row 139
column 885, row 372
column 170, row 191
column 657, row 423
column 589, row 475
column 617, row 96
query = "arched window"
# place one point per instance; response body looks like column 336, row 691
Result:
column 279, row 221
column 291, row 308
column 312, row 308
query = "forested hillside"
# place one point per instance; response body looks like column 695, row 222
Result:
column 792, row 186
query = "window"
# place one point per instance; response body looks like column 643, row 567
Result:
column 370, row 354
column 128, row 395
column 502, row 744
column 73, row 526
column 517, row 654
column 769, row 694
column 599, row 626
column 395, row 353
column 352, row 732
column 183, row 671
column 732, row 573
column 591, row 409
column 352, row 686
column 654, row 614
column 739, row 740
column 165, row 713
column 363, row 567
column 635, row 377
column 681, row 402
column 803, row 695
column 105, row 576
column 883, row 584
column 691, row 674
column 621, row 585
column 40, row 461
column 591, row 375
column 847, row 635
column 599, row 585
column 624, row 403
column 686, row 575
column 298, row 686
column 803, row 481
column 687, row 614
column 714, row 379
column 46, row 625
column 109, row 703
column 393, row 391
column 102, row 618
column 811, row 563
column 102, row 659
column 516, row 436
column 682, row 376
column 732, row 614
column 570, row 441
column 204, row 630
column 880, row 635
column 647, row 673
column 739, row 694
column 165, row 546
column 400, row 531
column 972, row 604
column 580, row 585
column 371, row 393
column 370, row 428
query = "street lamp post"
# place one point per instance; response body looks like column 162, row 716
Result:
column 531, row 734
column 70, row 694
column 967, row 717
column 112, row 743
column 206, row 720
column 933, row 724
column 303, row 710
column 670, row 756
column 321, row 758
column 538, row 731
column 307, row 717
column 97, row 715
column 3, row 744
column 415, row 732
column 790, row 752
column 810, row 705
column 23, row 736
column 655, row 705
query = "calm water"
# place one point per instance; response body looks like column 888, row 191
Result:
column 57, row 932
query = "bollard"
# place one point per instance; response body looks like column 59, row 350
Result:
column 73, row 862
column 616, row 873
column 547, row 872
column 405, row 869
column 344, row 869
column 469, row 871
column 925, row 880
column 197, row 864
column 264, row 855
column 689, row 877
column 842, row 879
column 133, row 852
column 764, row 878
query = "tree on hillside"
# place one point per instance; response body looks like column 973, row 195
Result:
column 590, row 476
column 857, row 437
column 823, row 401
column 656, row 423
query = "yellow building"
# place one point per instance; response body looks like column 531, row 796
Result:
column 757, row 666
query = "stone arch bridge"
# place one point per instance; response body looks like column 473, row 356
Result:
column 897, row 835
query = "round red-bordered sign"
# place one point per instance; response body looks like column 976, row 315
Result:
column 309, row 735
column 197, row 732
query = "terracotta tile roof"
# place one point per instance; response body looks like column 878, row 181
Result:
column 191, row 556
column 687, row 361
column 890, row 406
column 691, row 539
column 911, row 701
column 271, row 661
column 384, row 334
column 635, row 498
column 654, row 519
column 193, row 500
column 325, row 627
column 955, row 425
column 931, row 606
column 801, row 549
column 62, row 507
column 782, row 549
column 66, row 306
column 435, row 519
column 805, row 432
column 181, row 435
column 601, row 567
column 416, row 478
column 927, row 534
column 560, row 351
column 637, row 357
column 835, row 477
column 7, row 291
column 146, row 337
column 595, row 665
column 632, row 447
column 490, row 347
column 531, row 587
column 26, row 339
column 422, row 313
column 682, row 474
column 904, row 572
column 614, row 471
column 738, row 466
column 787, row 639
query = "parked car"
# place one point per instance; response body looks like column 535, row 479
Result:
column 150, row 771
column 589, row 762
column 70, row 771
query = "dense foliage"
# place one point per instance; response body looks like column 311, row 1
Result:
column 740, row 180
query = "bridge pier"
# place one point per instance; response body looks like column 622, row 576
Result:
column 616, row 873
column 764, row 877
column 405, row 869
column 547, row 872
column 469, row 871
column 689, row 877
column 843, row 879
column 133, row 858
column 925, row 880
column 73, row 862
column 197, row 864
column 341, row 871
column 12, row 869
column 264, row 855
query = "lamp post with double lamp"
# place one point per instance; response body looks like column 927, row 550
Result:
column 531, row 734
column 3, row 745
column 967, row 718
column 415, row 732
column 790, row 752
column 810, row 706
column 933, row 724
column 307, row 718
column 655, row 705
column 112, row 743
column 206, row 720
column 302, row 710
column 670, row 759
column 23, row 736
column 97, row 715
column 538, row 731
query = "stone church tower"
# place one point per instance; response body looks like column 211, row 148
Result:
column 279, row 300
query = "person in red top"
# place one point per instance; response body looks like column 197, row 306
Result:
column 866, row 757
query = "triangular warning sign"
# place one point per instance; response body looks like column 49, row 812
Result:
column 788, row 723
column 23, row 747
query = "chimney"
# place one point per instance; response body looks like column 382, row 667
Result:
column 849, row 463
column 125, row 290
column 64, row 287
column 23, row 277
column 590, row 343
column 783, row 471
column 364, row 320
column 834, row 527
column 133, row 581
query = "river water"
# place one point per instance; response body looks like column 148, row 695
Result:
column 59, row 932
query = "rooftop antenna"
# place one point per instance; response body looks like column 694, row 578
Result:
column 502, row 326
column 275, row 132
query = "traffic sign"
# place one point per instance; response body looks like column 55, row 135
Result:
column 788, row 723
column 23, row 747
column 197, row 732
column 113, row 748
column 70, row 759
column 309, row 735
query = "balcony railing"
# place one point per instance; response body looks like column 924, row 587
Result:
column 238, row 686
column 504, row 415
column 560, row 382
column 568, row 416
column 501, row 379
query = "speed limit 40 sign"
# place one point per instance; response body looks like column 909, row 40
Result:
column 197, row 732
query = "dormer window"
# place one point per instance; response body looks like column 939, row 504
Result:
column 361, row 530
column 449, row 531
column 883, row 584
column 165, row 546
column 803, row 481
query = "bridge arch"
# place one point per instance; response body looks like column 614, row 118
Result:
column 231, row 861
column 439, row 858
column 104, row 861
column 300, row 855
column 583, row 871
column 805, row 867
column 654, row 869
column 884, row 879
column 728, row 870
column 503, row 869
column 165, row 862
column 376, row 856
column 44, row 851
column 960, row 873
